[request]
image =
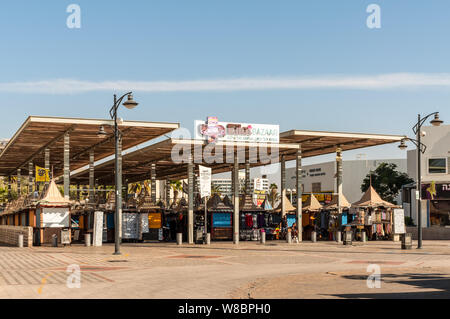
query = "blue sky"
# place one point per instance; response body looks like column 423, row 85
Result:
column 183, row 41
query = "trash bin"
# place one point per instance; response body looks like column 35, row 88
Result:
column 406, row 241
column 363, row 236
column 54, row 240
column 348, row 237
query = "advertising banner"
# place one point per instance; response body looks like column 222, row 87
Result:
column 434, row 191
column 55, row 217
column 205, row 181
column 214, row 131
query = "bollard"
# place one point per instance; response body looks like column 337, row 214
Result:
column 208, row 239
column 314, row 237
column 363, row 236
column 54, row 240
column 87, row 240
column 289, row 237
column 179, row 239
column 263, row 236
column 338, row 236
column 406, row 241
column 20, row 241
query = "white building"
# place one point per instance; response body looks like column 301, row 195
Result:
column 435, row 177
column 224, row 185
column 321, row 178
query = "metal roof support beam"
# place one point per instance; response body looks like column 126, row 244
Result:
column 91, row 176
column 48, row 145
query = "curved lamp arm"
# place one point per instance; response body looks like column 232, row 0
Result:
column 113, row 111
column 417, row 127
column 422, row 147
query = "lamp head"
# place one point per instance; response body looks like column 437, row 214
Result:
column 403, row 145
column 436, row 121
column 130, row 103
column 101, row 132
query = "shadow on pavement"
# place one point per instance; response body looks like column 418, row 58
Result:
column 439, row 282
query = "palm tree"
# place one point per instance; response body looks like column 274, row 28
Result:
column 215, row 189
column 176, row 186
column 273, row 194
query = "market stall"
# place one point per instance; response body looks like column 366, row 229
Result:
column 311, row 208
column 375, row 214
column 52, row 215
column 252, row 219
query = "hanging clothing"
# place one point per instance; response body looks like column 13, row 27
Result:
column 249, row 221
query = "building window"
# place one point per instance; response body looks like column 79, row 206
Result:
column 437, row 166
column 316, row 187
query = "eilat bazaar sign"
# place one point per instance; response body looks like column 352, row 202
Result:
column 213, row 131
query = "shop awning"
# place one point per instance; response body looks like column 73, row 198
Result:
column 315, row 143
column 371, row 199
column 39, row 133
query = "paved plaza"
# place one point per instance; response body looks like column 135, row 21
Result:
column 251, row 270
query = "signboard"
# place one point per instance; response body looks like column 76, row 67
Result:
column 212, row 130
column 55, row 217
column 399, row 221
column 65, row 237
column 434, row 191
column 130, row 226
column 258, row 184
column 97, row 235
column 205, row 181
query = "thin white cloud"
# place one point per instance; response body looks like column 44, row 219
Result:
column 362, row 82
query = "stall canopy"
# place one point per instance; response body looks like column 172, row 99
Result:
column 39, row 133
column 333, row 205
column 53, row 197
column 315, row 143
column 289, row 207
column 371, row 199
column 312, row 204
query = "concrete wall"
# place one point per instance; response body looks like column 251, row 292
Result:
column 354, row 172
column 10, row 235
column 431, row 233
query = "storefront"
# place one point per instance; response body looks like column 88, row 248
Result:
column 438, row 196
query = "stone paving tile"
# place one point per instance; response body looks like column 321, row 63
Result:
column 168, row 271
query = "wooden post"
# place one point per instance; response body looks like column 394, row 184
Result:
column 247, row 177
column 339, row 171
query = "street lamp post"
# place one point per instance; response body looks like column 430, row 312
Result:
column 129, row 104
column 421, row 148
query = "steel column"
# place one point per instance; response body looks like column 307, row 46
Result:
column 19, row 177
column 190, row 200
column 339, row 174
column 30, row 177
column 247, row 177
column 283, row 186
column 153, row 182
column 91, row 176
column 67, row 166
column 236, row 219
column 299, row 188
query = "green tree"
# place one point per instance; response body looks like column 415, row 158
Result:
column 387, row 181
